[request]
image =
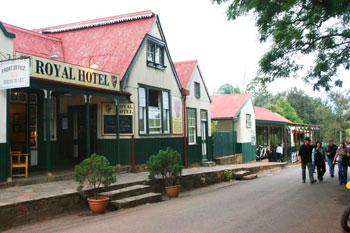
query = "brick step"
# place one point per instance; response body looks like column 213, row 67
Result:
column 137, row 200
column 133, row 190
column 208, row 164
column 250, row 177
column 240, row 174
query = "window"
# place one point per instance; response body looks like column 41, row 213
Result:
column 52, row 119
column 191, row 126
column 197, row 90
column 248, row 120
column 154, row 111
column 155, row 55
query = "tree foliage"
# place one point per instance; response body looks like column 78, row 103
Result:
column 284, row 108
column 320, row 28
column 258, row 90
column 229, row 89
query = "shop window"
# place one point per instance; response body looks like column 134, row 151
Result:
column 53, row 120
column 156, row 104
column 155, row 56
column 191, row 126
column 248, row 118
column 197, row 90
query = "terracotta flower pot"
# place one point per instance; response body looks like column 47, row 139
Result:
column 172, row 191
column 98, row 205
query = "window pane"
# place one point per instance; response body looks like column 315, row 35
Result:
column 191, row 126
column 153, row 98
column 150, row 52
column 197, row 90
column 142, row 97
column 166, row 121
column 158, row 56
column 165, row 95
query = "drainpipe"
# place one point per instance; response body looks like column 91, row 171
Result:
column 133, row 153
column 185, row 93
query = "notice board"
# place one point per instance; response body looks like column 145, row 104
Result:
column 126, row 119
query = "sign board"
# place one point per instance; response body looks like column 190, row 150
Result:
column 126, row 121
column 14, row 74
column 176, row 115
column 253, row 139
column 56, row 71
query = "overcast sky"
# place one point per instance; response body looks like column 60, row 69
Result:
column 227, row 51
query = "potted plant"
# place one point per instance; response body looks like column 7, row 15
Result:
column 166, row 165
column 94, row 174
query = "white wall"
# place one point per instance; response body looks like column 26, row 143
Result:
column 6, row 47
column 142, row 74
column 202, row 103
column 244, row 133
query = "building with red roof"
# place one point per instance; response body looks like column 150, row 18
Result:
column 235, row 119
column 197, row 104
column 89, row 77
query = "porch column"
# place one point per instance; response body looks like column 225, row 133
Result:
column 87, row 117
column 117, row 129
column 234, row 138
column 285, row 142
column 48, row 133
column 8, row 143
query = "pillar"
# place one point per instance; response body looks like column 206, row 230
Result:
column 117, row 129
column 48, row 133
column 8, row 143
column 87, row 117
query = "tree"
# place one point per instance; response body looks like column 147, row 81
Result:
column 258, row 89
column 283, row 108
column 320, row 28
column 229, row 89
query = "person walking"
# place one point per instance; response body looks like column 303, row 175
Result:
column 331, row 150
column 305, row 154
column 318, row 159
column 342, row 159
column 279, row 153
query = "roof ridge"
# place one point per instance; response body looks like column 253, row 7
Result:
column 97, row 22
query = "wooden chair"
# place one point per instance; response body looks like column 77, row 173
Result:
column 19, row 160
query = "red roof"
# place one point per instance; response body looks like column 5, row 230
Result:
column 263, row 114
column 184, row 70
column 111, row 43
column 227, row 106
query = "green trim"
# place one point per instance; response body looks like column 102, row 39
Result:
column 240, row 109
column 233, row 136
column 271, row 122
column 196, row 126
column 7, row 34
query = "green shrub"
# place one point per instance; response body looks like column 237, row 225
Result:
column 94, row 172
column 165, row 165
column 227, row 175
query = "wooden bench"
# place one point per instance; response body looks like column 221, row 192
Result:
column 19, row 160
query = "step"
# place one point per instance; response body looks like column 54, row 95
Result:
column 208, row 164
column 238, row 175
column 137, row 200
column 133, row 190
column 250, row 177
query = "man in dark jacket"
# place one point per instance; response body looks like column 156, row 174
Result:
column 305, row 154
column 331, row 150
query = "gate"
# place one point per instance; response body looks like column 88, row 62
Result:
column 222, row 143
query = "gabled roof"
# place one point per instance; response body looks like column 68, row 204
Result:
column 227, row 106
column 184, row 70
column 263, row 114
column 111, row 43
column 7, row 34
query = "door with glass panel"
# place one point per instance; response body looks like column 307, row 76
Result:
column 204, row 131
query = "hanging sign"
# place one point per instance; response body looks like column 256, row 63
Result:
column 176, row 116
column 51, row 70
column 14, row 74
column 126, row 121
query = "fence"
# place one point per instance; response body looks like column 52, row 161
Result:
column 223, row 143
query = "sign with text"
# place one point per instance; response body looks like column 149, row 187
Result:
column 71, row 74
column 176, row 116
column 14, row 74
column 126, row 121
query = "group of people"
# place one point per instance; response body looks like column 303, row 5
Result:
column 316, row 156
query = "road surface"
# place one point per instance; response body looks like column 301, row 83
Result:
column 275, row 202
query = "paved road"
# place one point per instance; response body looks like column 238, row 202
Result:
column 276, row 202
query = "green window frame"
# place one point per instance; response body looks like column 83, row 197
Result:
column 155, row 55
column 154, row 111
column 191, row 126
column 197, row 90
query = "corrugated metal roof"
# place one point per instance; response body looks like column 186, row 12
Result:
column 184, row 70
column 227, row 106
column 263, row 114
